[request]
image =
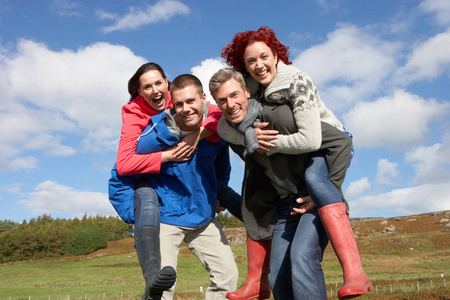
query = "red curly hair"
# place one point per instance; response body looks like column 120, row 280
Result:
column 234, row 53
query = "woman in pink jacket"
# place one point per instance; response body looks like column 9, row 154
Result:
column 149, row 90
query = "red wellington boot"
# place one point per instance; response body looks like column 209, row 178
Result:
column 257, row 283
column 337, row 225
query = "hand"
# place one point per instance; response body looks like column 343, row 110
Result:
column 187, row 146
column 307, row 205
column 167, row 155
column 265, row 136
column 218, row 207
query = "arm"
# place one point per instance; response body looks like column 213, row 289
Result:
column 305, row 102
column 128, row 162
column 211, row 122
column 222, row 163
column 207, row 131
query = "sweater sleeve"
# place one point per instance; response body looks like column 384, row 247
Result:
column 211, row 122
column 305, row 99
column 128, row 162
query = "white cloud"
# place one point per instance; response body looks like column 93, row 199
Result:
column 387, row 172
column 51, row 144
column 20, row 163
column 163, row 10
column 104, row 138
column 102, row 15
column 65, row 8
column 28, row 128
column 205, row 70
column 349, row 65
column 406, row 201
column 328, row 5
column 398, row 121
column 84, row 85
column 427, row 61
column 50, row 197
column 12, row 188
column 46, row 94
column 358, row 187
column 431, row 164
column 439, row 7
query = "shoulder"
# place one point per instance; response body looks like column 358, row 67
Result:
column 287, row 77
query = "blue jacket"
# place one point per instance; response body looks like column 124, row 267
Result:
column 187, row 190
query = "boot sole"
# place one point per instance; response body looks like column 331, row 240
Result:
column 350, row 293
column 164, row 281
column 230, row 296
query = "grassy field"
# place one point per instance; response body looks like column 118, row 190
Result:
column 413, row 262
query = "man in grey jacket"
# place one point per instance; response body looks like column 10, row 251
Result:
column 274, row 192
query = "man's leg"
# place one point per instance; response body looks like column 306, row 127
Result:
column 307, row 248
column 210, row 245
column 171, row 239
column 280, row 265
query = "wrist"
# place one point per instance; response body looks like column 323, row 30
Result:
column 205, row 132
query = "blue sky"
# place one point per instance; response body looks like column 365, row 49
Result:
column 382, row 66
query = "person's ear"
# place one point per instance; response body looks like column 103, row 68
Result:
column 247, row 92
column 204, row 99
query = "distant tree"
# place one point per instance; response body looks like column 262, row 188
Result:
column 6, row 225
column 47, row 237
column 86, row 239
column 227, row 220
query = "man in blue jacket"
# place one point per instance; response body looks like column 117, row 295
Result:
column 188, row 188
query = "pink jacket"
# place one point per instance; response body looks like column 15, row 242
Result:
column 135, row 117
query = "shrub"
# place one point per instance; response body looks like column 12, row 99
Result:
column 6, row 225
column 86, row 239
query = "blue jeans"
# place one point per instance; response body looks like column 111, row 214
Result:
column 297, row 249
column 146, row 205
column 317, row 180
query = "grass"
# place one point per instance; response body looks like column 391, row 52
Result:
column 404, row 265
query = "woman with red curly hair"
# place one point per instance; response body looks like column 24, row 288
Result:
column 271, row 78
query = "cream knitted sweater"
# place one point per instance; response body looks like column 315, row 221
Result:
column 294, row 86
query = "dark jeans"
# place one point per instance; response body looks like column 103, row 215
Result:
column 297, row 249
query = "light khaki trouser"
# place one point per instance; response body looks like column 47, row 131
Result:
column 211, row 247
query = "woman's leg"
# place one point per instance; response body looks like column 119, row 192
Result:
column 146, row 206
column 280, row 261
column 317, row 179
column 335, row 220
column 146, row 234
column 306, row 254
column 337, row 225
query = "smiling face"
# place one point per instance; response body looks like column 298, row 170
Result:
column 189, row 106
column 154, row 88
column 232, row 100
column 260, row 62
